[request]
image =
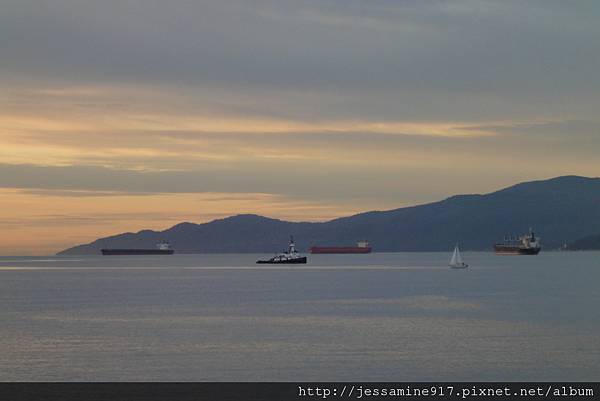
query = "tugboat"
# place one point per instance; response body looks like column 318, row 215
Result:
column 290, row 257
column 524, row 245
column 162, row 248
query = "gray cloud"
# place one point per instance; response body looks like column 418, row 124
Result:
column 74, row 193
column 567, row 129
column 65, row 220
column 309, row 183
column 428, row 58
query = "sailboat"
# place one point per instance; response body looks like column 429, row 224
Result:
column 456, row 262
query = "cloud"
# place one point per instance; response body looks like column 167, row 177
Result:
column 509, row 48
column 82, row 193
column 566, row 129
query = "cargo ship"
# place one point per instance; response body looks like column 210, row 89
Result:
column 162, row 248
column 361, row 247
column 524, row 245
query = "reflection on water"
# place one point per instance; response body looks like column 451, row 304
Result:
column 341, row 317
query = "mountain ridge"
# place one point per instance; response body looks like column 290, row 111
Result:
column 561, row 209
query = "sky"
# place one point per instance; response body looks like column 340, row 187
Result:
column 122, row 115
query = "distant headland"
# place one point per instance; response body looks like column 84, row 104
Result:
column 562, row 210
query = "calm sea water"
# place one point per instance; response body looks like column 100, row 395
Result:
column 395, row 316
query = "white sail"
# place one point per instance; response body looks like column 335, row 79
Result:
column 456, row 260
column 458, row 257
column 455, row 257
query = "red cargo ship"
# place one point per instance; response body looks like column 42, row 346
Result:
column 361, row 247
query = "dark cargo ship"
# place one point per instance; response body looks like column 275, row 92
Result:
column 162, row 248
column 361, row 247
column 524, row 245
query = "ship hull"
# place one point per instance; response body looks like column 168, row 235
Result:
column 295, row 261
column 340, row 249
column 120, row 252
column 515, row 250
